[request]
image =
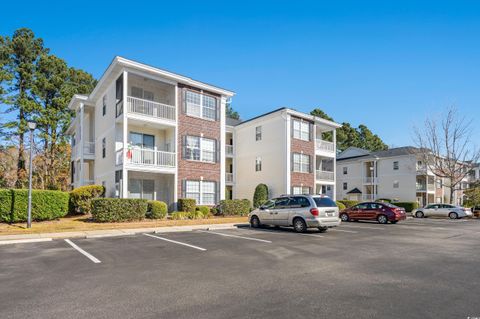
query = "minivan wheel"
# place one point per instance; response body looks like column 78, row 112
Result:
column 299, row 225
column 344, row 217
column 453, row 215
column 382, row 219
column 419, row 214
column 255, row 222
column 322, row 229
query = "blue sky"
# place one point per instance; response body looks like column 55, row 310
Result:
column 383, row 64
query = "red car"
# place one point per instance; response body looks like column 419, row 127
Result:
column 381, row 212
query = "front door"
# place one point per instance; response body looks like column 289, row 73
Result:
column 372, row 210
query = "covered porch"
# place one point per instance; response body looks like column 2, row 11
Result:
column 151, row 186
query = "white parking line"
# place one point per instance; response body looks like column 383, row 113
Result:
column 276, row 232
column 366, row 227
column 346, row 231
column 80, row 250
column 235, row 236
column 175, row 242
column 311, row 235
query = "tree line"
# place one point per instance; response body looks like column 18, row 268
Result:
column 36, row 85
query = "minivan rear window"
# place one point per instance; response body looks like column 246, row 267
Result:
column 324, row 202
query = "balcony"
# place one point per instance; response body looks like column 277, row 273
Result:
column 229, row 150
column 229, row 178
column 148, row 108
column 368, row 197
column 324, row 146
column 424, row 188
column 325, row 176
column 144, row 157
column 370, row 180
column 88, row 149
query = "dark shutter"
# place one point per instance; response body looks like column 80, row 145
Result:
column 184, row 100
column 310, row 164
column 217, row 108
column 217, row 151
column 310, row 132
column 184, row 188
column 217, row 192
column 291, row 162
column 291, row 126
column 184, row 147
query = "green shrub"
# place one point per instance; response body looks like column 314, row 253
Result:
column 348, row 203
column 156, row 209
column 340, row 205
column 260, row 196
column 235, row 207
column 46, row 205
column 118, row 209
column 195, row 215
column 81, row 198
column 187, row 204
column 179, row 215
column 205, row 210
column 6, row 202
column 409, row 206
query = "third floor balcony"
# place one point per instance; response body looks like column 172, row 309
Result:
column 325, row 147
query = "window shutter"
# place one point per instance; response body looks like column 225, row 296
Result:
column 291, row 127
column 310, row 166
column 217, row 192
column 310, row 130
column 217, row 151
column 184, row 188
column 184, row 100
column 217, row 108
column 184, row 147
column 291, row 162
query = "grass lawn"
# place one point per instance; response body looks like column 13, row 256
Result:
column 82, row 223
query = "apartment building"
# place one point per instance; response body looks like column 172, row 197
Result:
column 148, row 133
column 289, row 151
column 397, row 173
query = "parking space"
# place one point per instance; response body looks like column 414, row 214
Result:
column 419, row 268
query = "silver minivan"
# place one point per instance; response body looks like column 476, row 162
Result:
column 299, row 211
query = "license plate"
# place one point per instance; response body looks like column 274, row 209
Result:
column 330, row 214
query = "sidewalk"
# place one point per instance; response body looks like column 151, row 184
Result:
column 26, row 238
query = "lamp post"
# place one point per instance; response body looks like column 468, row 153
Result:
column 31, row 125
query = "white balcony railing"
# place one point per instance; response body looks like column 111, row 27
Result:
column 89, row 148
column 229, row 149
column 150, row 108
column 370, row 180
column 147, row 157
column 324, row 146
column 229, row 177
column 325, row 175
column 368, row 197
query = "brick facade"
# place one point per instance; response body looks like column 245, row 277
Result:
column 308, row 148
column 193, row 126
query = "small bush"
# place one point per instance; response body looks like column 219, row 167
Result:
column 260, row 196
column 118, row 209
column 187, row 204
column 179, row 215
column 46, row 205
column 348, row 203
column 205, row 210
column 195, row 215
column 340, row 205
column 156, row 209
column 81, row 198
column 6, row 202
column 235, row 207
column 409, row 206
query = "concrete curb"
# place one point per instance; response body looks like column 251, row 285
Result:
column 31, row 238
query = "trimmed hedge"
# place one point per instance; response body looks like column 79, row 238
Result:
column 118, row 209
column 6, row 203
column 235, row 207
column 156, row 209
column 205, row 210
column 260, row 196
column 348, row 203
column 187, row 204
column 46, row 205
column 81, row 198
column 409, row 206
column 340, row 205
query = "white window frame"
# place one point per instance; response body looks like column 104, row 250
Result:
column 258, row 164
column 199, row 105
column 201, row 142
column 199, row 193
column 258, row 133
column 300, row 163
column 300, row 190
column 301, row 130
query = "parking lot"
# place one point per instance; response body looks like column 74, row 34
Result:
column 421, row 268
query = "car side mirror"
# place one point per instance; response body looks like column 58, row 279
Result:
column 262, row 207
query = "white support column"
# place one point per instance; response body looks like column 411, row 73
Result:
column 223, row 102
column 125, row 136
column 82, row 143
column 176, row 150
column 288, row 141
column 334, row 133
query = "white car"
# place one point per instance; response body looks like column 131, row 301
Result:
column 442, row 210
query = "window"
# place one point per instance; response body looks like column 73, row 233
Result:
column 300, row 190
column 202, row 191
column 301, row 163
column 439, row 183
column 281, row 203
column 140, row 93
column 200, row 105
column 104, row 147
column 104, row 105
column 396, row 184
column 324, row 202
column 258, row 133
column 141, row 188
column 438, row 200
column 142, row 140
column 345, row 186
column 258, row 164
column 200, row 149
column 395, row 165
column 301, row 130
column 345, row 170
column 298, row 201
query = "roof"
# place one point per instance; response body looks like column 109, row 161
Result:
column 355, row 191
column 232, row 122
column 355, row 152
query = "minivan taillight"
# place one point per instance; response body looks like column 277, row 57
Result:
column 314, row 211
